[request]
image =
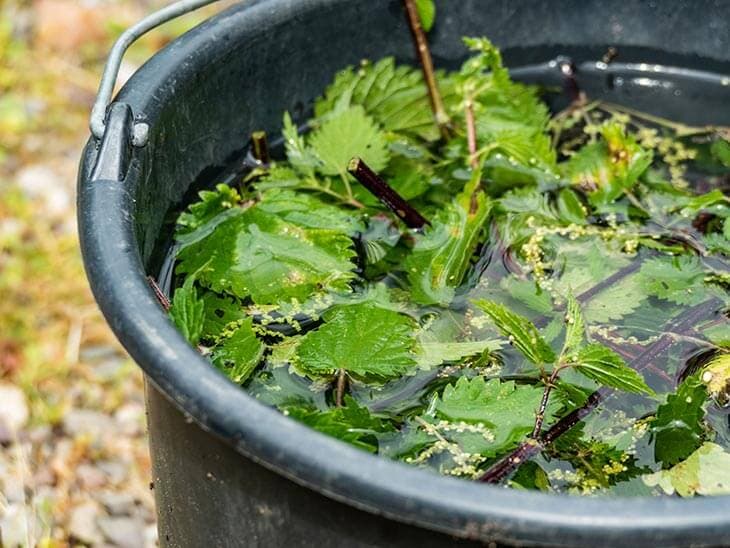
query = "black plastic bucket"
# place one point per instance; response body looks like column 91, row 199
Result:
column 229, row 471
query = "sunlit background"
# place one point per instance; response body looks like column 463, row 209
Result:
column 74, row 466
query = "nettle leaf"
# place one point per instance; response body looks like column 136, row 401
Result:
column 307, row 211
column 575, row 328
column 220, row 311
column 607, row 168
column 520, row 332
column 678, row 427
column 676, row 279
column 350, row 423
column 615, row 302
column 363, row 339
column 714, row 201
column 528, row 293
column 187, row 311
column 705, row 472
column 256, row 254
column 395, row 96
column 347, row 134
column 299, row 156
column 570, row 208
column 607, row 368
column 239, row 352
column 427, row 13
column 720, row 149
column 505, row 407
column 442, row 255
column 433, row 353
column 210, row 205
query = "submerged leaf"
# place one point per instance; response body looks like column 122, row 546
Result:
column 350, row 423
column 507, row 408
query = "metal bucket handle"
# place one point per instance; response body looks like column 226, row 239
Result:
column 140, row 130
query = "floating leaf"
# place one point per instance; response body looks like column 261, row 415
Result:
column 256, row 254
column 188, row 311
column 442, row 255
column 607, row 368
column 427, row 13
column 678, row 426
column 574, row 326
column 434, row 353
column 363, row 339
column 507, row 408
column 520, row 332
column 239, row 352
column 705, row 472
column 210, row 205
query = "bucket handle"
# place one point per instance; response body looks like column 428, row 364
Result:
column 140, row 130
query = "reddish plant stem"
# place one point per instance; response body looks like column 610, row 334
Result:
column 424, row 56
column 159, row 294
column 260, row 146
column 385, row 193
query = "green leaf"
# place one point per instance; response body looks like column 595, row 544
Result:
column 350, row 423
column 705, row 472
column 435, row 353
column 607, row 368
column 574, row 326
column 607, row 168
column 528, row 293
column 720, row 149
column 505, row 407
column 395, row 96
column 676, row 279
column 704, row 202
column 210, row 205
column 299, row 156
column 363, row 339
column 239, row 352
column 678, row 428
column 307, row 211
column 220, row 311
column 187, row 311
column 347, row 134
column 570, row 207
column 256, row 254
column 427, row 13
column 520, row 332
column 442, row 255
column 616, row 301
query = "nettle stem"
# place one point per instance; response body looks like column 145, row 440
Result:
column 532, row 446
column 159, row 294
column 471, row 133
column 429, row 76
column 377, row 186
column 549, row 384
column 260, row 147
column 341, row 386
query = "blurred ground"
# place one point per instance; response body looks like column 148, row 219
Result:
column 74, row 465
